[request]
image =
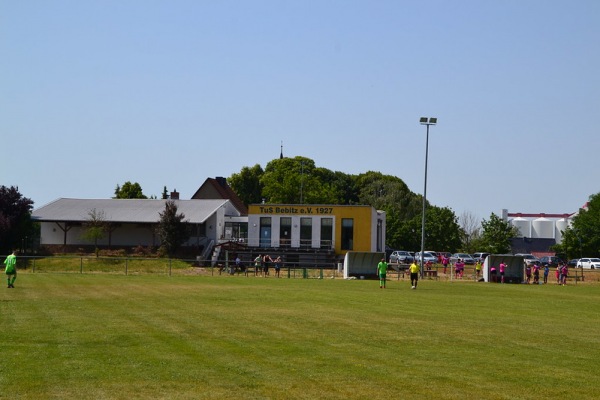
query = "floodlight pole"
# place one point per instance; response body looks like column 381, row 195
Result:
column 427, row 122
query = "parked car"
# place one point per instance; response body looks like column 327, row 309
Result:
column 573, row 263
column 550, row 261
column 426, row 257
column 588, row 263
column 480, row 256
column 529, row 259
column 401, row 257
column 466, row 258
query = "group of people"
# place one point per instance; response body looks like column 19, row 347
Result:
column 382, row 268
column 263, row 262
column 562, row 272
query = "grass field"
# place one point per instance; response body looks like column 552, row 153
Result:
column 106, row 336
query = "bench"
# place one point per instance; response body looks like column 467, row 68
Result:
column 431, row 273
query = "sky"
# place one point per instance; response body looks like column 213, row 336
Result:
column 169, row 93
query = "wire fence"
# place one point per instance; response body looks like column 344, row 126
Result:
column 168, row 266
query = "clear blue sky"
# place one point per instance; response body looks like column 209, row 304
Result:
column 169, row 93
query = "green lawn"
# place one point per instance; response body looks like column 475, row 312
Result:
column 106, row 336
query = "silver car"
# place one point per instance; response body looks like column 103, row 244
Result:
column 426, row 257
column 466, row 258
column 401, row 257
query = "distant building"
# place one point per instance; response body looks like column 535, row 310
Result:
column 335, row 228
column 538, row 232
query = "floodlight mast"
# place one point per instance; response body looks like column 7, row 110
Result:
column 427, row 122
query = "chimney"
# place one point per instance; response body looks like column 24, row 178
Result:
column 175, row 195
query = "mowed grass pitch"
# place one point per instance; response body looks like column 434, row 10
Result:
column 193, row 337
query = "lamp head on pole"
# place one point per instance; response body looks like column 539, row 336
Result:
column 428, row 121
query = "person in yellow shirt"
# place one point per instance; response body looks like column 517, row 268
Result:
column 414, row 274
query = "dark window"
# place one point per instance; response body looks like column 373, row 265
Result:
column 326, row 233
column 305, row 232
column 347, row 233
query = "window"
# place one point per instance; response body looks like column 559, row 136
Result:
column 265, row 231
column 347, row 233
column 305, row 232
column 285, row 231
column 327, row 233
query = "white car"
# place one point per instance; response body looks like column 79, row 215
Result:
column 588, row 263
column 529, row 259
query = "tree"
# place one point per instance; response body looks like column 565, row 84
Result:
column 470, row 232
column 16, row 225
column 95, row 227
column 298, row 180
column 247, row 184
column 582, row 238
column 165, row 193
column 172, row 229
column 497, row 234
column 129, row 191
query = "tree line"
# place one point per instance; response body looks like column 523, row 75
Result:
column 298, row 180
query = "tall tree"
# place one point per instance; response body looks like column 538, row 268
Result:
column 129, row 191
column 172, row 229
column 296, row 181
column 582, row 238
column 247, row 184
column 15, row 219
column 497, row 234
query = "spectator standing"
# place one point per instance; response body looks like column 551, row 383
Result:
column 546, row 272
column 459, row 268
column 266, row 260
column 536, row 274
column 277, row 262
column 528, row 274
column 258, row 264
column 502, row 268
column 477, row 269
column 564, row 272
column 445, row 262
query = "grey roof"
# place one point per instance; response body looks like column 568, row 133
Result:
column 125, row 210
